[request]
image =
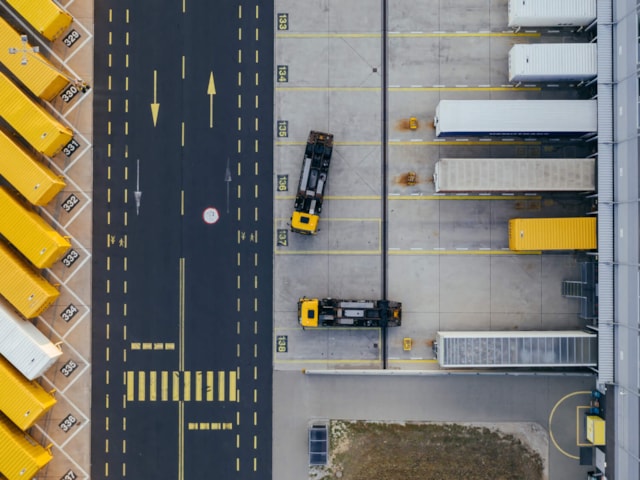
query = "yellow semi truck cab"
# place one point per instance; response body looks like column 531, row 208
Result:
column 330, row 312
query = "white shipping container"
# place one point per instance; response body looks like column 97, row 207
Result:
column 509, row 349
column 23, row 345
column 559, row 62
column 551, row 13
column 515, row 117
column 515, row 175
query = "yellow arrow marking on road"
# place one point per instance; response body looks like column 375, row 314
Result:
column 211, row 91
column 155, row 106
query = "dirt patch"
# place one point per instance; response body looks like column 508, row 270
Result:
column 439, row 451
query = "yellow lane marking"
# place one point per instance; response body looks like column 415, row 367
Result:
column 553, row 411
column 209, row 395
column 413, row 360
column 405, row 252
column 440, row 143
column 198, row 386
column 185, row 386
column 210, row 425
column 334, row 360
column 221, row 386
column 410, row 89
column 408, row 35
column 416, row 197
column 152, row 386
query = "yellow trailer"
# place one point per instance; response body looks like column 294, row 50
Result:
column 29, row 233
column 23, row 401
column 37, row 74
column 21, row 457
column 577, row 233
column 22, row 287
column 33, row 122
column 45, row 16
column 31, row 178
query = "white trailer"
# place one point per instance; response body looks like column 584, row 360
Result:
column 551, row 13
column 515, row 117
column 23, row 345
column 509, row 349
column 553, row 62
column 515, row 175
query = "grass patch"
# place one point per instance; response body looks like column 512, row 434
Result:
column 405, row 451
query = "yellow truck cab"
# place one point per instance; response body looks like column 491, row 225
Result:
column 313, row 179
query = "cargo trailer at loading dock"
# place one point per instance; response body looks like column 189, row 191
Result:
column 553, row 62
column 22, row 286
column 21, row 456
column 29, row 233
column 551, row 13
column 515, row 175
column 515, row 349
column 515, row 117
column 24, row 346
column 27, row 402
column 545, row 234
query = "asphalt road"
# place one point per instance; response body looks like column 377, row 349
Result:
column 182, row 293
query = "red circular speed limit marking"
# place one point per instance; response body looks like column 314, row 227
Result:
column 210, row 215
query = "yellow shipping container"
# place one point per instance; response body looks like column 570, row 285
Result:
column 21, row 457
column 38, row 75
column 32, row 121
column 25, row 289
column 596, row 430
column 577, row 233
column 31, row 178
column 29, row 233
column 45, row 16
column 23, row 401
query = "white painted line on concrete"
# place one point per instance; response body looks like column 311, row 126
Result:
column 462, row 194
column 394, row 248
column 461, row 249
column 439, row 248
column 484, row 248
column 394, row 194
column 416, row 248
column 416, row 194
column 416, row 139
column 416, row 86
column 484, row 86
column 462, row 139
column 438, row 86
column 462, row 86
column 485, row 140
column 461, row 31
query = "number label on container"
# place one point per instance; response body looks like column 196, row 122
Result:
column 69, row 312
column 283, row 21
column 68, row 368
column 70, row 475
column 282, row 343
column 283, row 73
column 70, row 258
column 283, row 128
column 70, row 203
column 72, row 37
column 69, row 93
column 66, row 424
column 71, row 147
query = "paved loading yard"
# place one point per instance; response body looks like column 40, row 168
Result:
column 447, row 258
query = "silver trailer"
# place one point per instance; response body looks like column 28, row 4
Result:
column 551, row 13
column 553, row 62
column 511, row 349
column 515, row 117
column 515, row 175
column 23, row 345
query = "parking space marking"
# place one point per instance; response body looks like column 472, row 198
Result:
column 553, row 411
